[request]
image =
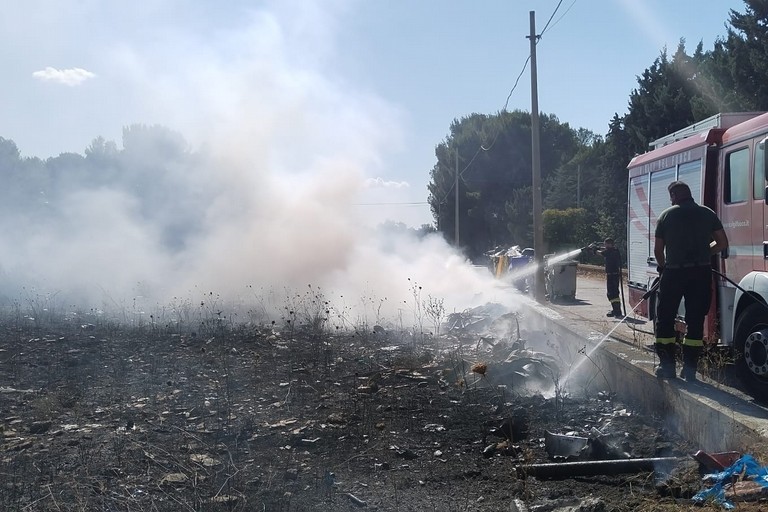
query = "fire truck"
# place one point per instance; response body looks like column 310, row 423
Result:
column 722, row 159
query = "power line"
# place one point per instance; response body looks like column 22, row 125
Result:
column 563, row 15
column 509, row 96
column 394, row 204
column 525, row 66
column 550, row 19
column 517, row 80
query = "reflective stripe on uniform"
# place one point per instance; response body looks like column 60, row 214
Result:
column 688, row 342
column 666, row 341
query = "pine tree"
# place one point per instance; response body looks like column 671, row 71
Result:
column 742, row 59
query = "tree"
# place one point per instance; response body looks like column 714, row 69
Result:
column 519, row 210
column 101, row 149
column 571, row 184
column 741, row 60
column 21, row 187
column 662, row 103
column 565, row 229
column 9, row 153
column 153, row 143
column 495, row 176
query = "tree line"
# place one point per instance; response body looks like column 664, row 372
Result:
column 584, row 176
column 150, row 175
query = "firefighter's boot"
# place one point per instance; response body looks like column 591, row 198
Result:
column 690, row 362
column 617, row 313
column 666, row 353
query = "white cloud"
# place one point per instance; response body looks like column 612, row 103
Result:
column 70, row 77
column 380, row 183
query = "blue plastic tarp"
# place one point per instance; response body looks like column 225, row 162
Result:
column 746, row 468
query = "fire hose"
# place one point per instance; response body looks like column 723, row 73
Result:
column 737, row 286
column 657, row 281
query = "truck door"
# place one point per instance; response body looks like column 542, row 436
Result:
column 738, row 215
column 759, row 214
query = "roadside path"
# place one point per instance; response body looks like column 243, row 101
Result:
column 588, row 312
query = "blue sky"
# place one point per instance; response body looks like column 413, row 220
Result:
column 361, row 90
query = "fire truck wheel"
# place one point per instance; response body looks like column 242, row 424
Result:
column 751, row 344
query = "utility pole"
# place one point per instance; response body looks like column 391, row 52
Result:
column 456, row 191
column 538, row 231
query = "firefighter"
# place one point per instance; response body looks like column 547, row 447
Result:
column 612, row 276
column 687, row 236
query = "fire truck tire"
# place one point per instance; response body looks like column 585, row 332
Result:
column 751, row 345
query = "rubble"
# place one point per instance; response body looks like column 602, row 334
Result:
column 292, row 421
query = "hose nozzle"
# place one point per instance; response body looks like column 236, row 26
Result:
column 652, row 289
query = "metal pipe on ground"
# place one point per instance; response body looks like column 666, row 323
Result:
column 597, row 467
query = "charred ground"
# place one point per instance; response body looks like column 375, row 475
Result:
column 294, row 418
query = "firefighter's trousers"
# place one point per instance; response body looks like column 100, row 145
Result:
column 694, row 284
column 612, row 281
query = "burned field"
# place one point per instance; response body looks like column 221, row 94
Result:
column 293, row 417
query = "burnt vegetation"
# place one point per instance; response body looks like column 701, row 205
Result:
column 301, row 414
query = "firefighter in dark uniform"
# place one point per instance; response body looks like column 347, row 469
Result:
column 612, row 276
column 687, row 236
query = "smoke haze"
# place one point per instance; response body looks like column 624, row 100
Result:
column 256, row 194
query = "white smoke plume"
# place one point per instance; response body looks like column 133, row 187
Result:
column 283, row 149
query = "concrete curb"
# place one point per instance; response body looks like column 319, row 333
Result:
column 707, row 414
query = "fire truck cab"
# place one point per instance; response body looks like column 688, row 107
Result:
column 722, row 159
